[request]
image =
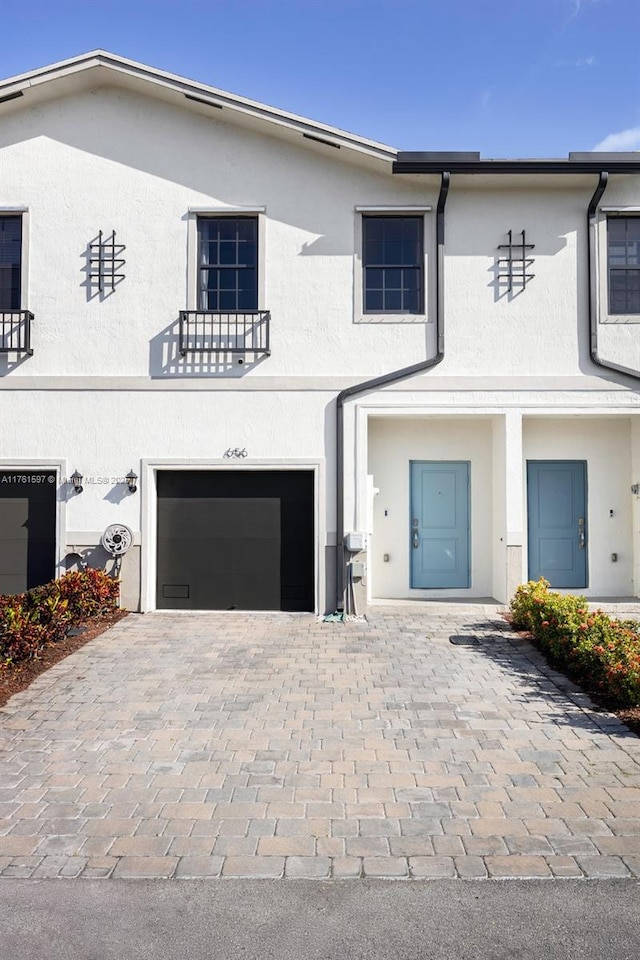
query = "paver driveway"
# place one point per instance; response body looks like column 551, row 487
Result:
column 274, row 745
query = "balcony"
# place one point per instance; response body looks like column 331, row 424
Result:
column 15, row 332
column 207, row 331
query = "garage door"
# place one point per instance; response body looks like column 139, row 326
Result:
column 27, row 529
column 235, row 540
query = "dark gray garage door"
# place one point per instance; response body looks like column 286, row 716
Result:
column 27, row 529
column 235, row 540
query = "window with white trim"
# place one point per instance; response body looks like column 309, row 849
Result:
column 623, row 264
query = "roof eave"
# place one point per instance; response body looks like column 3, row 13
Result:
column 14, row 86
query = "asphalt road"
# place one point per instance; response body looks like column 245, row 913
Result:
column 309, row 920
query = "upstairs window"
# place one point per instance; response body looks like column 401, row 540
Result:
column 10, row 262
column 228, row 264
column 393, row 261
column 623, row 254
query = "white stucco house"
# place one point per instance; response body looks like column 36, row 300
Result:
column 303, row 348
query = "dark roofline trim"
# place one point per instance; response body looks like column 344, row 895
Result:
column 577, row 163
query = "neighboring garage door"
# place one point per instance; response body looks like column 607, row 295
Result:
column 235, row 540
column 27, row 529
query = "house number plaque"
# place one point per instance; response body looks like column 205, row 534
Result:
column 236, row 452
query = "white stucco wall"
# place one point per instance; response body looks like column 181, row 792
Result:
column 605, row 445
column 112, row 159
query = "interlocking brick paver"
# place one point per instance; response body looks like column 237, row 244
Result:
column 145, row 867
column 192, row 867
column 211, row 745
column 307, row 867
column 517, row 866
column 253, row 867
column 433, row 867
column 385, row 867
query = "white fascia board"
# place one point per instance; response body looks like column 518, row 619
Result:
column 220, row 210
column 135, row 70
column 396, row 208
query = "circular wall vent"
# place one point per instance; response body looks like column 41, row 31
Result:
column 117, row 539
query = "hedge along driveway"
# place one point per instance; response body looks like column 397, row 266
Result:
column 234, row 745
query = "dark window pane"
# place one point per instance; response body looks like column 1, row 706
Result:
column 633, row 253
column 373, row 301
column 247, row 254
column 633, row 291
column 10, row 262
column 228, row 252
column 373, row 252
column 410, row 279
column 247, row 229
column 393, row 279
column 392, row 252
column 374, row 278
column 232, row 244
column 390, row 244
column 227, row 227
column 392, row 229
column 624, row 291
column 410, row 254
column 205, row 230
column 246, row 300
column 617, row 254
column 247, row 280
column 393, row 300
column 372, row 228
column 210, row 279
column 623, row 235
column 412, row 228
column 228, row 300
column 616, row 227
column 410, row 301
column 228, row 279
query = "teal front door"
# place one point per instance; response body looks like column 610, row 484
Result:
column 439, row 524
column 557, row 518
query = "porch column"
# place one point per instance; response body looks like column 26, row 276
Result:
column 508, row 506
column 515, row 509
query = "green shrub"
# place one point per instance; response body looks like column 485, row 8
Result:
column 600, row 653
column 28, row 621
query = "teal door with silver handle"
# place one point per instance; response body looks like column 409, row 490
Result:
column 439, row 534
column 557, row 522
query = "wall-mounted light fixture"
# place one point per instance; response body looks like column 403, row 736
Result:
column 76, row 479
column 132, row 481
column 635, row 489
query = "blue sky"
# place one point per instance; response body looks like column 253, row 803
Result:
column 506, row 77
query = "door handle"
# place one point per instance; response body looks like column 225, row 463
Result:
column 581, row 534
column 415, row 540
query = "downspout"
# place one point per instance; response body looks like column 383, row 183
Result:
column 384, row 380
column 593, row 285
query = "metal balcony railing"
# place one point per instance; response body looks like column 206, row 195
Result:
column 239, row 332
column 15, row 331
